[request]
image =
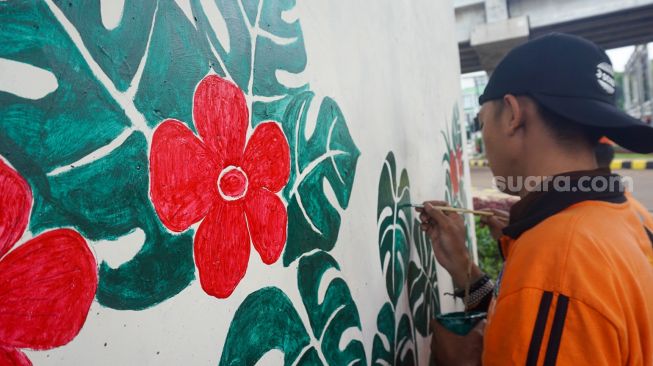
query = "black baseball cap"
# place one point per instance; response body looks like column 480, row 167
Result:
column 572, row 77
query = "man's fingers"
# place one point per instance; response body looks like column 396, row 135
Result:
column 437, row 215
column 500, row 213
column 436, row 203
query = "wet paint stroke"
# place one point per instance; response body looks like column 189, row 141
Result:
column 394, row 342
column 409, row 267
column 46, row 284
column 227, row 183
column 422, row 282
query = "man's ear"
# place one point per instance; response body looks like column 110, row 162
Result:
column 515, row 111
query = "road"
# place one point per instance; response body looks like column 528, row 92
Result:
column 642, row 183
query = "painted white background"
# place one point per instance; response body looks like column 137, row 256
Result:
column 393, row 68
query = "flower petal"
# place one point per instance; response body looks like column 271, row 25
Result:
column 46, row 288
column 222, row 249
column 15, row 205
column 13, row 357
column 221, row 118
column 268, row 222
column 267, row 157
column 183, row 176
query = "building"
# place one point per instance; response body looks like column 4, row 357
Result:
column 638, row 83
column 472, row 86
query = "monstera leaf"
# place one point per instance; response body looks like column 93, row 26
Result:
column 258, row 42
column 267, row 321
column 394, row 218
column 422, row 282
column 331, row 309
column 323, row 156
column 393, row 346
column 83, row 147
column 106, row 44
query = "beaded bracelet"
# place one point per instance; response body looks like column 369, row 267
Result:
column 477, row 296
column 473, row 287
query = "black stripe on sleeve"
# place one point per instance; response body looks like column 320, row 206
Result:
column 556, row 331
column 650, row 235
column 538, row 330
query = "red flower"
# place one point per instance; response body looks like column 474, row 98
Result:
column 453, row 172
column 46, row 284
column 215, row 177
column 455, row 168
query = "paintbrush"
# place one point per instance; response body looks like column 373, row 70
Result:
column 451, row 209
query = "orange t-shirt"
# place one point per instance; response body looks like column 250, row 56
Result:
column 576, row 289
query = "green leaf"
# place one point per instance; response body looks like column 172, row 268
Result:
column 260, row 42
column 178, row 57
column 325, row 159
column 83, row 147
column 393, row 346
column 423, row 282
column 331, row 309
column 265, row 321
column 106, row 46
column 394, row 218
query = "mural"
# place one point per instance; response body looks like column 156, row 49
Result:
column 187, row 131
column 455, row 190
column 46, row 284
column 410, row 278
column 231, row 187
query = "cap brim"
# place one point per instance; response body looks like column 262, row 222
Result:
column 618, row 126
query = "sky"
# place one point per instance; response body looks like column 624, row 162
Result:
column 619, row 57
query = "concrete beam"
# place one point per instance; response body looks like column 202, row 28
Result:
column 492, row 41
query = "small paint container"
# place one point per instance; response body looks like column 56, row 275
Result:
column 460, row 322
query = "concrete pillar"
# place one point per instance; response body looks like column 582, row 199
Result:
column 496, row 10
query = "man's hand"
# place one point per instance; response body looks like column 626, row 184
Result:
column 448, row 348
column 496, row 223
column 447, row 233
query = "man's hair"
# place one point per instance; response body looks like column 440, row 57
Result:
column 604, row 154
column 567, row 131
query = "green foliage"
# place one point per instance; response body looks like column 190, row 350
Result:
column 268, row 320
column 327, row 157
column 423, row 282
column 52, row 141
column 394, row 217
column 489, row 258
column 115, row 85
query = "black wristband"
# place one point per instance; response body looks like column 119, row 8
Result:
column 473, row 287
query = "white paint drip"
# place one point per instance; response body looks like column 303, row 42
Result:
column 111, row 11
column 25, row 80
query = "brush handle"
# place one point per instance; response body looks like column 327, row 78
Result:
column 456, row 209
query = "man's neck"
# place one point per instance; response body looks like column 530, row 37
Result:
column 555, row 163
